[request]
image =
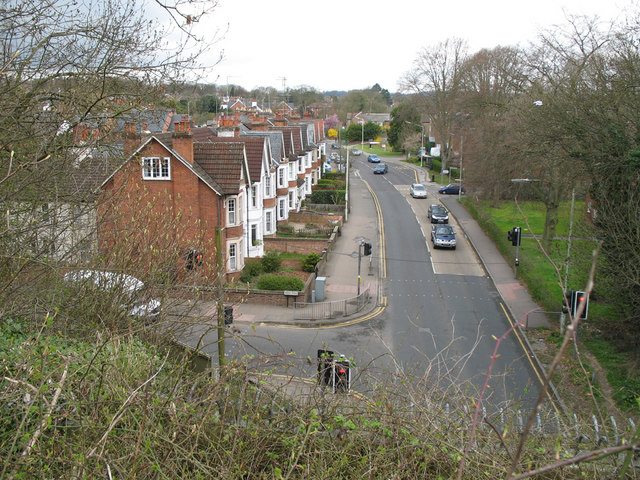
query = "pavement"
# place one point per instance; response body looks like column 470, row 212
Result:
column 341, row 269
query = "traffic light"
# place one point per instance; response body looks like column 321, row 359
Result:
column 325, row 367
column 514, row 236
column 193, row 258
column 342, row 375
column 567, row 301
column 367, row 249
column 579, row 298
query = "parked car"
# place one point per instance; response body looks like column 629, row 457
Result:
column 129, row 290
column 373, row 158
column 382, row 168
column 452, row 189
column 418, row 190
column 327, row 168
column 443, row 236
column 438, row 214
column 335, row 146
column 356, row 152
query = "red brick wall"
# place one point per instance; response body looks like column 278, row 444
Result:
column 295, row 245
column 315, row 218
column 168, row 216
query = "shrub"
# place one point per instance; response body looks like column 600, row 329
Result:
column 271, row 262
column 277, row 282
column 328, row 197
column 252, row 268
column 310, row 261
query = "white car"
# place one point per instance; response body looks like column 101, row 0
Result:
column 418, row 190
column 129, row 287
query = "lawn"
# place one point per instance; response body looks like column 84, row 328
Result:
column 544, row 282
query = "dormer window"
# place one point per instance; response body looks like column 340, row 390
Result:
column 156, row 168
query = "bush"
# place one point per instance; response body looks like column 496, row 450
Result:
column 252, row 268
column 271, row 262
column 277, row 282
column 328, row 197
column 310, row 261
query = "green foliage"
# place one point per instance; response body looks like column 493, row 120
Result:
column 310, row 261
column 334, row 176
column 252, row 268
column 278, row 282
column 271, row 261
column 621, row 374
column 330, row 197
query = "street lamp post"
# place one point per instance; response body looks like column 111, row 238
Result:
column 460, row 189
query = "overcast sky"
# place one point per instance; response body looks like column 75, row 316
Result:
column 354, row 44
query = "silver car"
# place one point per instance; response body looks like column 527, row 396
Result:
column 129, row 289
column 418, row 190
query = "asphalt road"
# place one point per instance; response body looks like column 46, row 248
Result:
column 440, row 323
column 443, row 311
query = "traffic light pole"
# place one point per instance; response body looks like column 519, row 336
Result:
column 359, row 264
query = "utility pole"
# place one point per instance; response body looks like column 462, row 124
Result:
column 220, row 297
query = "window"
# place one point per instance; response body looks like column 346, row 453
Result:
column 281, row 177
column 267, row 185
column 254, row 196
column 156, row 168
column 291, row 203
column 268, row 222
column 233, row 257
column 231, row 210
column 292, row 171
column 254, row 234
column 282, row 205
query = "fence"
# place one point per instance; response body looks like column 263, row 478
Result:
column 333, row 308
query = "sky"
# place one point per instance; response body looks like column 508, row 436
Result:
column 354, row 44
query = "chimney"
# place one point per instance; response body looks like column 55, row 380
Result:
column 132, row 139
column 259, row 123
column 183, row 139
column 228, row 127
column 280, row 120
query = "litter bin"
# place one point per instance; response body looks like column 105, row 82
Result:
column 433, row 178
column 228, row 314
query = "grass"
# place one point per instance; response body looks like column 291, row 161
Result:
column 544, row 282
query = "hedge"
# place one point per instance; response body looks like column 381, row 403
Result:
column 328, row 197
column 277, row 282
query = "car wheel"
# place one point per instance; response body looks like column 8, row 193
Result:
column 453, row 248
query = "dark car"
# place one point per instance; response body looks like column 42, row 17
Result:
column 382, row 168
column 443, row 236
column 451, row 189
column 438, row 214
column 373, row 158
column 335, row 146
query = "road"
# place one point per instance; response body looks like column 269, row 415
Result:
column 440, row 323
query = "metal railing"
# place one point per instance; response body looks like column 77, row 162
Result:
column 333, row 308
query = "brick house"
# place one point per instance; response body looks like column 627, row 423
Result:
column 172, row 195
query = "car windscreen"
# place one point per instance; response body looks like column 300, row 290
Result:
column 438, row 210
column 444, row 231
column 419, row 188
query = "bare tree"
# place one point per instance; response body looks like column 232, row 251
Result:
column 70, row 72
column 436, row 77
column 492, row 79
